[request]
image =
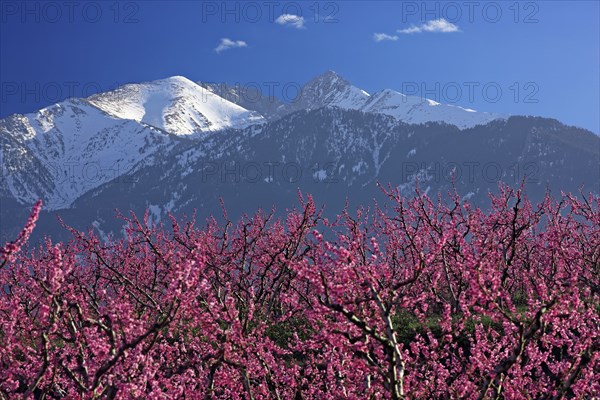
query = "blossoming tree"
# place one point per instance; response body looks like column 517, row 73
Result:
column 413, row 299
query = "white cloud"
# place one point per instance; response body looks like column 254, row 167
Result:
column 227, row 44
column 295, row 21
column 435, row 25
column 380, row 37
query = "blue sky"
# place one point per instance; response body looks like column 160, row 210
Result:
column 538, row 58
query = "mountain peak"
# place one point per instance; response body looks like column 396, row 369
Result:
column 177, row 80
column 330, row 89
column 328, row 76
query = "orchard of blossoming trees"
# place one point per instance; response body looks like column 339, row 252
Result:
column 414, row 299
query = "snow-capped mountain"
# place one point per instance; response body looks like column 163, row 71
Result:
column 173, row 145
column 67, row 149
column 176, row 105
